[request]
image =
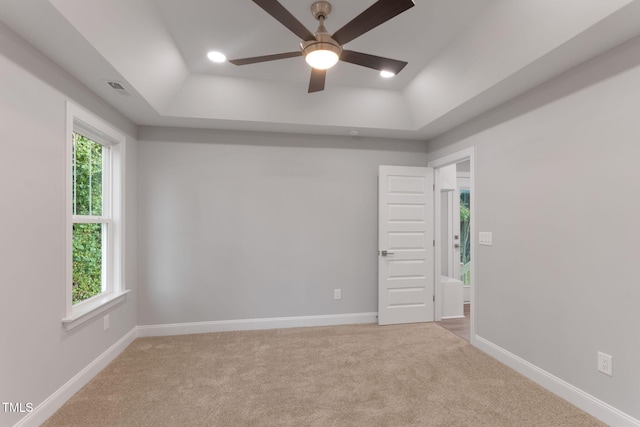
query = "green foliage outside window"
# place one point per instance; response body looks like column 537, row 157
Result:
column 87, row 200
column 465, row 236
column 87, row 261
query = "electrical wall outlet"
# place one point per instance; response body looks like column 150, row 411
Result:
column 337, row 294
column 605, row 363
column 106, row 322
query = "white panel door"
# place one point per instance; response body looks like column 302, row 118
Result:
column 405, row 245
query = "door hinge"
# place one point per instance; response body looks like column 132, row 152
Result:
column 434, row 187
column 434, row 297
column 434, row 243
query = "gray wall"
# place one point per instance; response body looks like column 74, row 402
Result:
column 37, row 356
column 239, row 225
column 558, row 185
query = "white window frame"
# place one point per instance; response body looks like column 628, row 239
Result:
column 114, row 290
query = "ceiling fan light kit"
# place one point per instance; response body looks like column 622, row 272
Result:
column 323, row 50
column 322, row 56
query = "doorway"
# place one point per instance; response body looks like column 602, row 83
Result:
column 455, row 288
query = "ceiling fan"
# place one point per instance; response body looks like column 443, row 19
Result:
column 322, row 50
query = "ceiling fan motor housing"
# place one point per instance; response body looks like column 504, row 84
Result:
column 323, row 42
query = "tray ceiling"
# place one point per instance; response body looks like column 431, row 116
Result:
column 465, row 56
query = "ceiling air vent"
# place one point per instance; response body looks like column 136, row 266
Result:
column 117, row 86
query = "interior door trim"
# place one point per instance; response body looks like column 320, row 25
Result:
column 456, row 157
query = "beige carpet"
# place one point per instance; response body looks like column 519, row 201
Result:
column 361, row 375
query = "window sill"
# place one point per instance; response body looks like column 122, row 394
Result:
column 90, row 309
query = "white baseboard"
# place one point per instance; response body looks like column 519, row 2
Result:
column 583, row 400
column 51, row 404
column 255, row 324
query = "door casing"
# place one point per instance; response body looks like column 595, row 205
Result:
column 456, row 157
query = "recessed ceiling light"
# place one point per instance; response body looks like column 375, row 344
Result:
column 387, row 74
column 216, row 56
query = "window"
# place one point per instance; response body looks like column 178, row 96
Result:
column 91, row 218
column 95, row 280
column 465, row 235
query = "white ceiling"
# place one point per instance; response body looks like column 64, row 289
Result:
column 465, row 56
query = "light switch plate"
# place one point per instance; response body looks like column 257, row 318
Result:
column 485, row 238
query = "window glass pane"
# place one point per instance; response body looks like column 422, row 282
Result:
column 87, row 176
column 465, row 236
column 87, row 261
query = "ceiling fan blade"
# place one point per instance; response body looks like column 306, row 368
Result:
column 372, row 61
column 316, row 84
column 265, row 58
column 275, row 9
column 380, row 12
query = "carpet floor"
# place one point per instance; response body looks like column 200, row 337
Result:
column 354, row 375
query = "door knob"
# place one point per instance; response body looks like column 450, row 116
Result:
column 385, row 253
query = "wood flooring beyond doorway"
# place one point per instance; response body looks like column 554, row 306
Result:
column 461, row 326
